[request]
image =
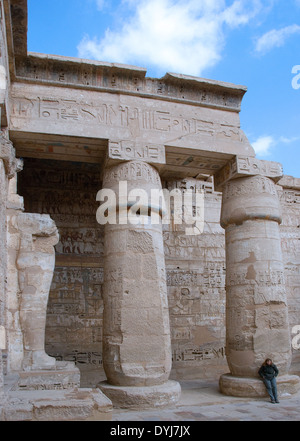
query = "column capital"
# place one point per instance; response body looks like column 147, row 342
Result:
column 127, row 150
column 250, row 198
column 242, row 166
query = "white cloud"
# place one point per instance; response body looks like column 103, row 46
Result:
column 285, row 140
column 275, row 38
column 240, row 12
column 173, row 35
column 263, row 145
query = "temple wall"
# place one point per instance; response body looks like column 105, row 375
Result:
column 195, row 271
column 290, row 234
column 196, row 288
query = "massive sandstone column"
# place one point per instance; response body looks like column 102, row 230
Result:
column 8, row 168
column 257, row 324
column 136, row 329
column 3, row 195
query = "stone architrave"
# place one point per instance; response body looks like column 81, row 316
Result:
column 35, row 263
column 257, row 325
column 136, row 329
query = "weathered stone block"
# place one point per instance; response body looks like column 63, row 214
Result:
column 254, row 388
column 140, row 398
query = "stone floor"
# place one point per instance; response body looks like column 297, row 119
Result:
column 202, row 401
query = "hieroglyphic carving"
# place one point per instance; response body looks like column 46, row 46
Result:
column 92, row 358
column 206, row 246
column 128, row 151
column 180, row 277
column 289, row 197
column 132, row 171
column 197, row 296
column 198, row 354
column 213, row 275
column 190, row 184
column 69, row 196
column 76, row 291
column 262, row 278
column 258, row 184
column 113, row 115
column 246, row 166
column 55, row 386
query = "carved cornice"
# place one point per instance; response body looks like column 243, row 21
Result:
column 117, row 78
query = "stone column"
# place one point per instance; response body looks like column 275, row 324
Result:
column 3, row 194
column 136, row 329
column 8, row 169
column 257, row 325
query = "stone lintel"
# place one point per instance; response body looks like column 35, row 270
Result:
column 246, row 166
column 120, row 151
column 40, row 110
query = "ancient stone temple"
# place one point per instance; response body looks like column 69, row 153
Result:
column 95, row 314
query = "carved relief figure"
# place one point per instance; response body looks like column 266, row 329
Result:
column 35, row 263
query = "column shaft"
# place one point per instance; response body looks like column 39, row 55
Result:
column 137, row 348
column 257, row 317
column 257, row 325
column 136, row 329
column 3, row 196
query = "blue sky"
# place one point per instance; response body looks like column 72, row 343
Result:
column 255, row 43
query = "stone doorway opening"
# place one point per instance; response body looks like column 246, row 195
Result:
column 67, row 192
